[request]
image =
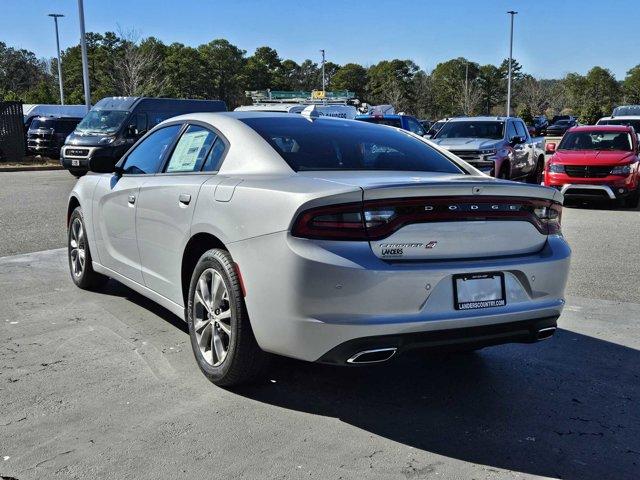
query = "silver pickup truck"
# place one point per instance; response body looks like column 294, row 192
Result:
column 498, row 146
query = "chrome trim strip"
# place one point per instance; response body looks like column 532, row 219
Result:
column 378, row 350
column 604, row 188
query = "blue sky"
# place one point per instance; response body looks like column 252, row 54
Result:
column 552, row 38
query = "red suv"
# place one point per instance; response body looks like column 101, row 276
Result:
column 596, row 162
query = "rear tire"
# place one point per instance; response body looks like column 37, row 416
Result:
column 80, row 266
column 537, row 175
column 221, row 335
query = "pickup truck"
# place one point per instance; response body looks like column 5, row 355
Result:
column 498, row 146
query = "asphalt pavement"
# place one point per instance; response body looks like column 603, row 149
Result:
column 104, row 385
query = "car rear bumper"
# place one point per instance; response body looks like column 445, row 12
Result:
column 306, row 298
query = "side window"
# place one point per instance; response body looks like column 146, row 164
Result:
column 520, row 128
column 147, row 156
column 141, row 123
column 511, row 130
column 415, row 127
column 191, row 150
column 215, row 156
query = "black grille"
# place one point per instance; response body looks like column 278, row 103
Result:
column 587, row 171
column 76, row 152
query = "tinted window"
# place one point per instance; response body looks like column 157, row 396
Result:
column 331, row 144
column 156, row 117
column 596, row 141
column 42, row 123
column 191, row 150
column 415, row 127
column 215, row 156
column 520, row 128
column 619, row 121
column 147, row 156
column 392, row 122
column 511, row 130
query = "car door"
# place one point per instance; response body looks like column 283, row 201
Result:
column 166, row 204
column 529, row 159
column 115, row 203
column 519, row 151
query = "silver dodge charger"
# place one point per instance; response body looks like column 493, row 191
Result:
column 317, row 238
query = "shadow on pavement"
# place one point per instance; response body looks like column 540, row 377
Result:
column 566, row 408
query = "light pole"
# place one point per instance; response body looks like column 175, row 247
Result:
column 55, row 20
column 512, row 13
column 85, row 61
column 323, row 77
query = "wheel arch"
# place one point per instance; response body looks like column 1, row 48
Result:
column 193, row 250
column 72, row 205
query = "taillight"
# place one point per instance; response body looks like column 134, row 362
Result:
column 377, row 219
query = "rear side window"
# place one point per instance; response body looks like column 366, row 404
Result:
column 148, row 154
column 332, row 144
column 392, row 122
column 212, row 164
column 191, row 150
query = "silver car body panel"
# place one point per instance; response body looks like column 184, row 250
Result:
column 305, row 297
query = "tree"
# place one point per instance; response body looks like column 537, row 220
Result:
column 452, row 81
column 390, row 81
column 352, row 77
column 224, row 64
column 524, row 112
column 590, row 113
column 186, row 73
column 631, row 86
column 262, row 70
column 492, row 87
column 21, row 72
column 137, row 73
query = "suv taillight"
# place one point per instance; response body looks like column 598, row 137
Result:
column 377, row 219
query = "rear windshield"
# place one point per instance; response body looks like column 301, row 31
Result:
column 596, row 141
column 472, row 129
column 332, row 144
column 392, row 122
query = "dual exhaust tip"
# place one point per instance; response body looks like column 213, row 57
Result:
column 380, row 355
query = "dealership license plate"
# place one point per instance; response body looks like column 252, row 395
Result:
column 75, row 163
column 478, row 290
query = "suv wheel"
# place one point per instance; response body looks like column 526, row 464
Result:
column 633, row 199
column 80, row 266
column 221, row 335
column 537, row 175
column 504, row 172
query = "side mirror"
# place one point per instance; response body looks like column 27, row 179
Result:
column 132, row 131
column 102, row 165
column 550, row 147
column 517, row 140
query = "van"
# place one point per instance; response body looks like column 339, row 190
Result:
column 114, row 124
column 46, row 135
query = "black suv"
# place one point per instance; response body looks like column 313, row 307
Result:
column 46, row 135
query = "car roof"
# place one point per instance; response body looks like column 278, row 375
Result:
column 621, row 117
column 390, row 115
column 601, row 128
column 479, row 119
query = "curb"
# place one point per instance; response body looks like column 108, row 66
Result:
column 26, row 168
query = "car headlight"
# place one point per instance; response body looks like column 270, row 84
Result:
column 621, row 170
column 556, row 168
column 488, row 151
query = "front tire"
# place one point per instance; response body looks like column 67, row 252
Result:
column 504, row 171
column 80, row 266
column 221, row 336
column 633, row 200
column 537, row 175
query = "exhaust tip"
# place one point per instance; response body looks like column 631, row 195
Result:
column 545, row 333
column 373, row 356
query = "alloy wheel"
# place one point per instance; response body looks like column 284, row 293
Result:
column 77, row 244
column 212, row 317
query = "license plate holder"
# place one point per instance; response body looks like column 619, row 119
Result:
column 472, row 291
column 75, row 163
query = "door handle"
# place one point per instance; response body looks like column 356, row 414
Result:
column 132, row 199
column 184, row 198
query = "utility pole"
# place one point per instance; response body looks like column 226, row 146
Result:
column 512, row 13
column 466, row 90
column 323, row 77
column 85, row 61
column 55, row 20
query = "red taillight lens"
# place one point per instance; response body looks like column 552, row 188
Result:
column 337, row 222
column 377, row 219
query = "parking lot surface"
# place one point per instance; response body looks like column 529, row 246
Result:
column 104, row 385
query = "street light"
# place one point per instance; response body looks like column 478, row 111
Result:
column 512, row 13
column 85, row 61
column 323, row 78
column 55, row 20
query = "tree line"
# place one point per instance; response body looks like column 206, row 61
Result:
column 125, row 64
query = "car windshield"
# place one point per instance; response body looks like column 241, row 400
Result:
column 562, row 123
column 332, row 144
column 42, row 123
column 392, row 122
column 472, row 129
column 619, row 121
column 596, row 140
column 102, row 121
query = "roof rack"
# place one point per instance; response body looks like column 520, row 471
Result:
column 314, row 97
